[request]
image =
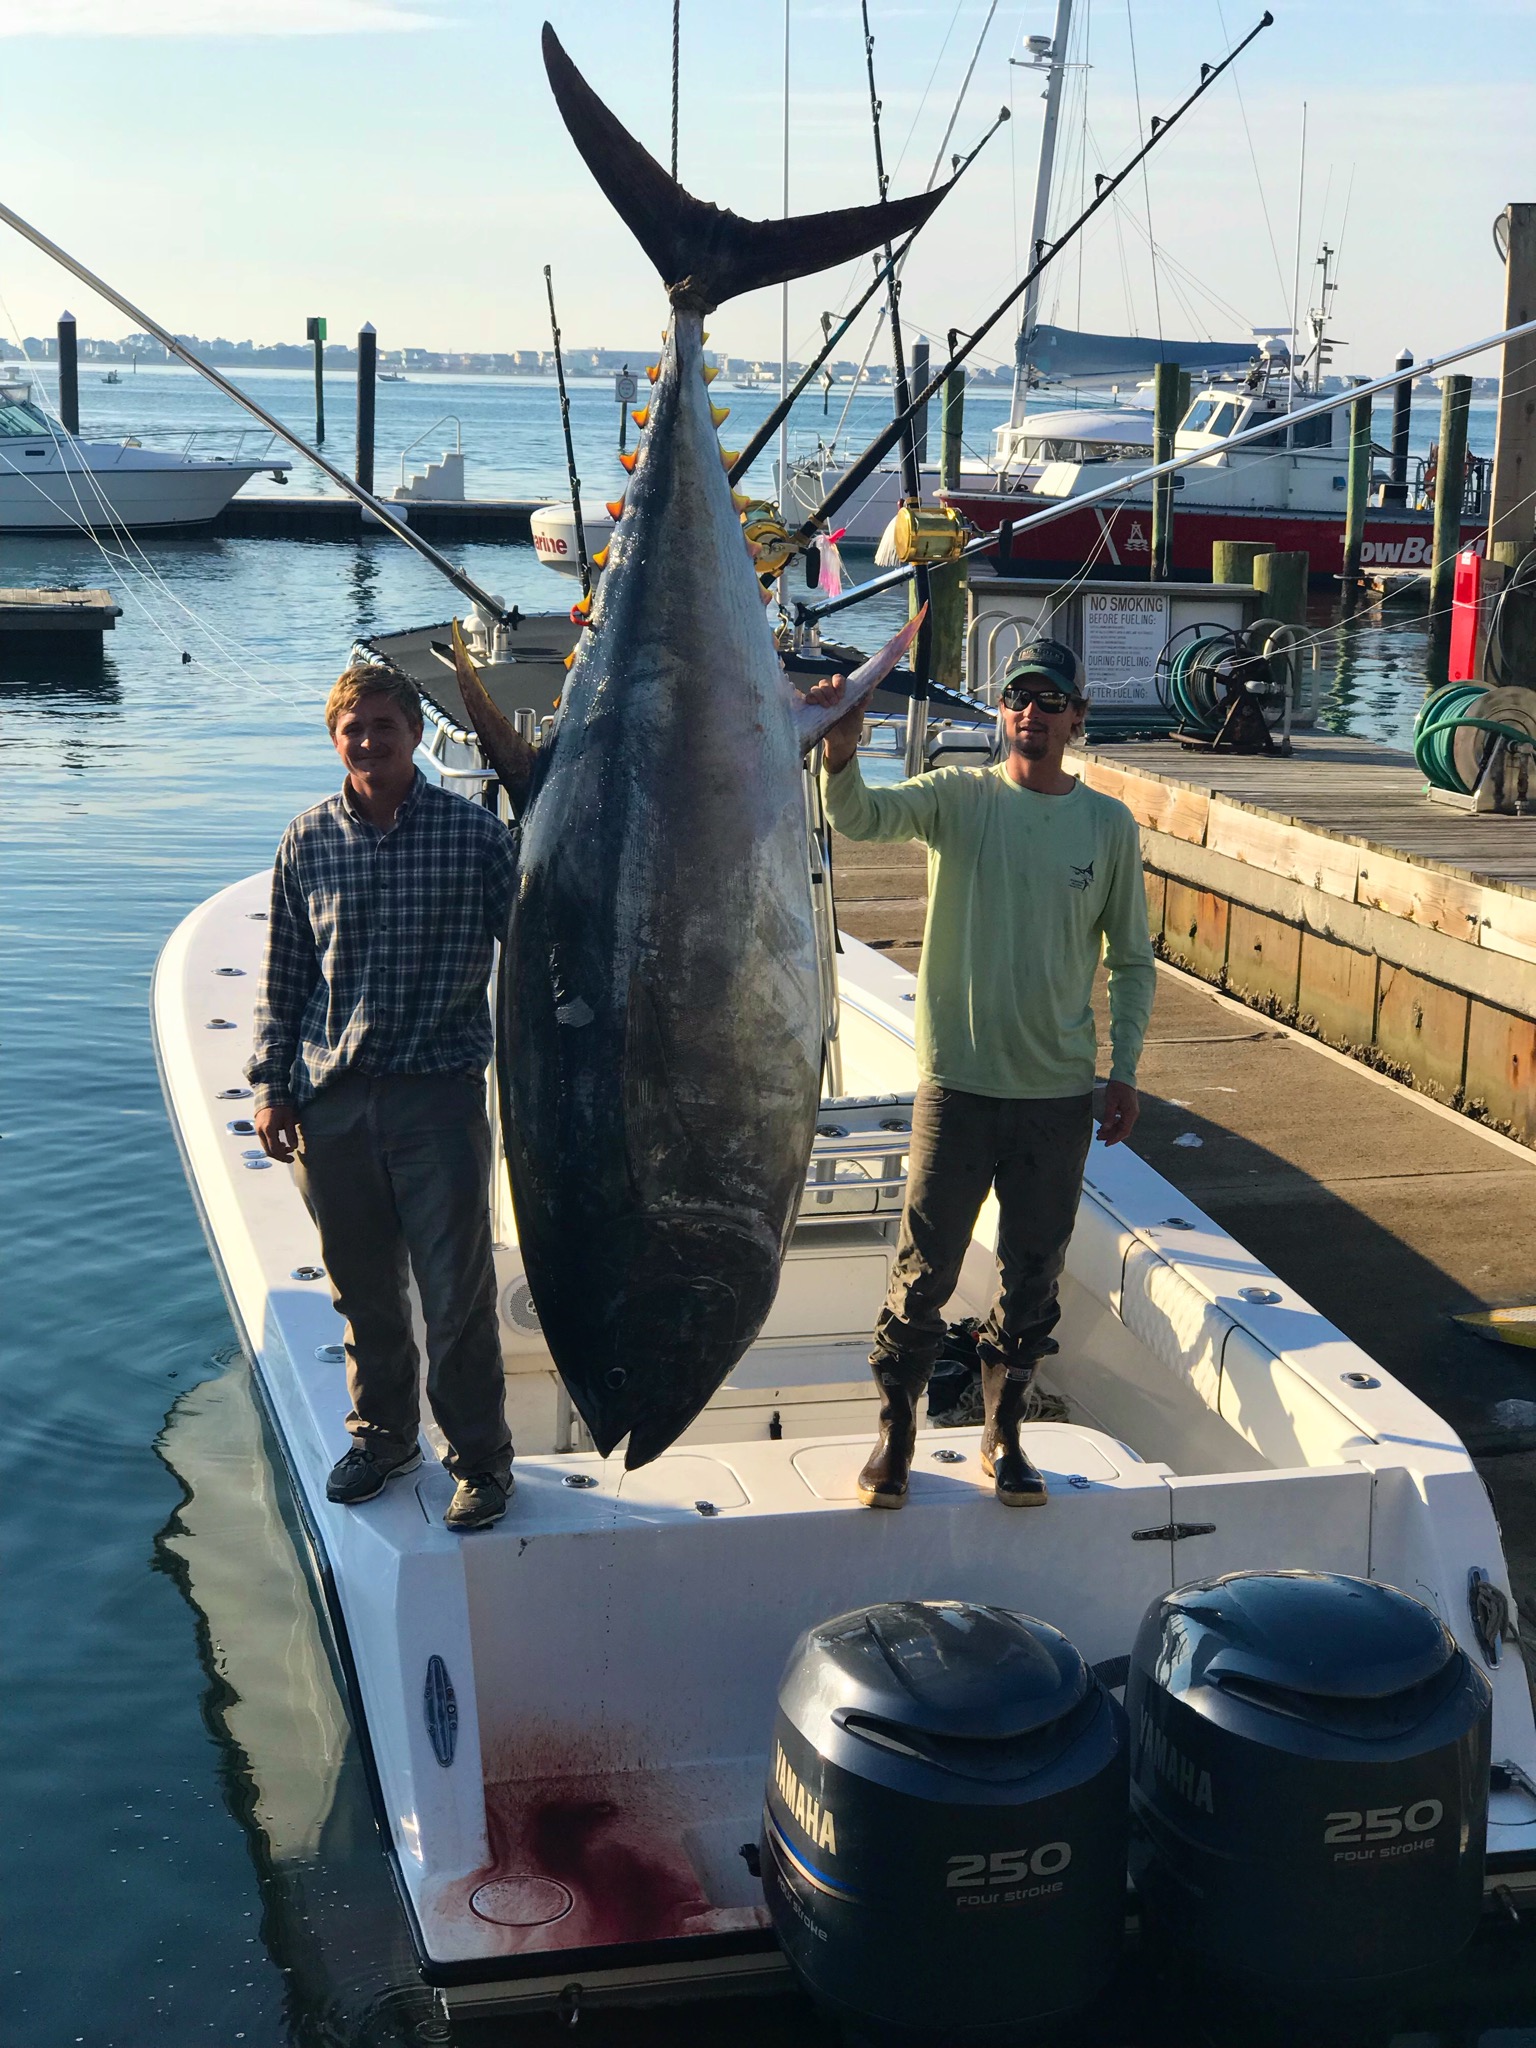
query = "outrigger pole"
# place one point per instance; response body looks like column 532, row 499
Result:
column 465, row 585
column 770, row 426
column 1105, row 188
column 1062, row 506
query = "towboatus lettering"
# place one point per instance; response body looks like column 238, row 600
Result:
column 815, row 1821
column 1159, row 1755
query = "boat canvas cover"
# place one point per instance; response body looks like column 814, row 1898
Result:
column 1061, row 354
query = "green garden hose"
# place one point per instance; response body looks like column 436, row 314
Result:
column 1434, row 733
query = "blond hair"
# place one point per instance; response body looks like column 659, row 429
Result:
column 371, row 679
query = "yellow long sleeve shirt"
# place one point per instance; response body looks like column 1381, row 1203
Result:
column 1025, row 892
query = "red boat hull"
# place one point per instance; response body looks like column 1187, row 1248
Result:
column 1116, row 539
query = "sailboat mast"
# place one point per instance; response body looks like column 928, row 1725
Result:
column 1055, row 65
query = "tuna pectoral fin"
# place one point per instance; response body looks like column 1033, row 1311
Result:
column 504, row 747
column 704, row 254
column 814, row 721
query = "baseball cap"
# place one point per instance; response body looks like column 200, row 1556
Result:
column 1048, row 659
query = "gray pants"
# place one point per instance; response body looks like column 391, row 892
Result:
column 396, row 1171
column 1033, row 1153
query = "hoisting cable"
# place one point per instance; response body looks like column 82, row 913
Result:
column 884, row 441
column 465, row 585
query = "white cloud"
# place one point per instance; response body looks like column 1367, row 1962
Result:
column 209, row 18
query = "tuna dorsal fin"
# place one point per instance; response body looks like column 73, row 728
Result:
column 706, row 255
column 504, row 746
column 813, row 721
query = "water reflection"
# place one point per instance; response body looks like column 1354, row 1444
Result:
column 290, row 1767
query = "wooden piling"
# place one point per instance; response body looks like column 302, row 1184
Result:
column 314, row 330
column 1357, row 494
column 1165, row 424
column 1396, row 492
column 367, row 394
column 1450, row 478
column 69, row 374
column 1511, row 512
column 1232, row 560
column 947, row 585
column 1281, row 581
column 915, row 382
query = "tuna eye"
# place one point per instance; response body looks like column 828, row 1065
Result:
column 616, row 1377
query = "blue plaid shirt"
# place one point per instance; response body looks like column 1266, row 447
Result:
column 378, row 955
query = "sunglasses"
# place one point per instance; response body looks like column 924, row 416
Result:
column 1017, row 695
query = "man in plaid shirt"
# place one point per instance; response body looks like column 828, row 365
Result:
column 372, row 1037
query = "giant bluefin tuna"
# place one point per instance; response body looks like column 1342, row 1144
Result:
column 660, row 1047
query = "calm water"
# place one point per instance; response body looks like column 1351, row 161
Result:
column 188, row 1855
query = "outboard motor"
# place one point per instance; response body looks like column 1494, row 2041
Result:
column 944, row 1830
column 1309, row 1780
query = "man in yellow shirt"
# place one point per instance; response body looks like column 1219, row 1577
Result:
column 1032, row 876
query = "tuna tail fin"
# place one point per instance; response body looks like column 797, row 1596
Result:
column 502, row 744
column 813, row 721
column 706, row 255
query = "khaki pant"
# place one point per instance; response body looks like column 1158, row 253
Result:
column 1033, row 1153
column 396, row 1171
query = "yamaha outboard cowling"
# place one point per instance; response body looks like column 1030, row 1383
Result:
column 945, row 1823
column 1309, row 1780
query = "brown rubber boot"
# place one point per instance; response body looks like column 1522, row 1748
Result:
column 1006, row 1392
column 883, row 1482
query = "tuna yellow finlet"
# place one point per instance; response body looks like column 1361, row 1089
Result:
column 729, row 455
column 741, row 500
column 641, row 416
column 582, row 606
column 568, row 660
column 600, row 559
column 711, row 372
column 614, row 507
column 628, row 461
column 719, row 414
column 653, row 371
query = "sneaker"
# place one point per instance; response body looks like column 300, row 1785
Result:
column 478, row 1501
column 364, row 1473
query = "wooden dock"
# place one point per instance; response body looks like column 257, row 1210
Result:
column 1324, row 889
column 269, row 517
column 26, row 614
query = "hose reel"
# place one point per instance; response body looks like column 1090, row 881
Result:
column 1230, row 688
column 1476, row 746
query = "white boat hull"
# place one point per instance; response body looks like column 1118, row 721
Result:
column 568, row 1716
column 50, row 495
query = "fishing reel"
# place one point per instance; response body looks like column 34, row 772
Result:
column 927, row 535
column 764, row 527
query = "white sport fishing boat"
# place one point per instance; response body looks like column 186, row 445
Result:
column 568, row 1718
column 54, row 482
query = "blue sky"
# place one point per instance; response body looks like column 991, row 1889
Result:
column 236, row 164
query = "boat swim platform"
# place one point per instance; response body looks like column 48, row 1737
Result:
column 1323, row 888
column 34, row 614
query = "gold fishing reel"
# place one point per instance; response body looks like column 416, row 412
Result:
column 765, row 529
column 928, row 534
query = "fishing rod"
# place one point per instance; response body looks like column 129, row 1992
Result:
column 1104, row 189
column 565, row 422
column 770, row 426
column 466, row 586
column 911, row 475
column 1062, row 506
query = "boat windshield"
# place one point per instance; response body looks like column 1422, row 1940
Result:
column 1211, row 416
column 21, row 421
